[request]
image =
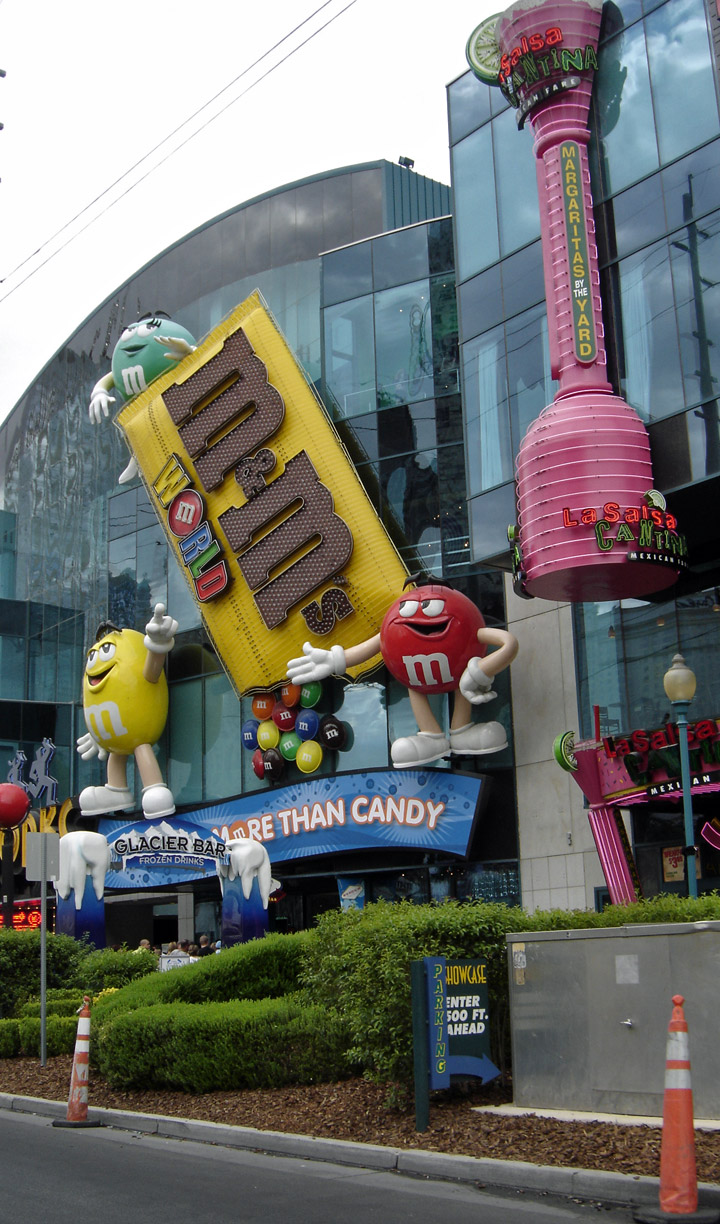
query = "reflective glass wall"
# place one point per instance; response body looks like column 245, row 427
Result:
column 654, row 166
column 76, row 548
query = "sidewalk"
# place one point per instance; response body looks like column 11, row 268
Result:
column 615, row 1188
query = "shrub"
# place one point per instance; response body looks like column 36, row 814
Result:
column 9, row 1038
column 243, row 1044
column 20, row 965
column 66, row 1003
column 106, row 967
column 61, row 1032
column 261, row 969
column 359, row 963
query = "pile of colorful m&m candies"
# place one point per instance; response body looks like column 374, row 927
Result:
column 287, row 730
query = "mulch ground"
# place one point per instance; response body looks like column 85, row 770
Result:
column 358, row 1111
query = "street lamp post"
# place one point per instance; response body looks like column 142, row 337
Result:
column 679, row 684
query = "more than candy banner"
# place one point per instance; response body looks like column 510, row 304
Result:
column 260, row 502
column 421, row 809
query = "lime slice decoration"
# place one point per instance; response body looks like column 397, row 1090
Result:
column 563, row 751
column 483, row 53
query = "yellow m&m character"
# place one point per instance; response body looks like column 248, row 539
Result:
column 125, row 703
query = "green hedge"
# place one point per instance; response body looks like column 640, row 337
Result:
column 261, row 969
column 66, row 1003
column 105, row 968
column 359, row 963
column 61, row 1032
column 20, row 965
column 248, row 1044
column 9, row 1038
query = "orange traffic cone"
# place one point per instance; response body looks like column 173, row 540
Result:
column 77, row 1107
column 678, row 1177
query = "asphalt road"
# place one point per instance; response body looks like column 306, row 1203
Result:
column 118, row 1177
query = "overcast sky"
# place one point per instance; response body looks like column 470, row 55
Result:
column 92, row 88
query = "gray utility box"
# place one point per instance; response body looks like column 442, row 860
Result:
column 589, row 1015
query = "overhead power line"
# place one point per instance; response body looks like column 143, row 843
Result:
column 177, row 148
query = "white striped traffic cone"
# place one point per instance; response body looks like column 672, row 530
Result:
column 678, row 1176
column 77, row 1107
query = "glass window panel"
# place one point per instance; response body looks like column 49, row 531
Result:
column 403, row 340
column 446, row 352
column 363, row 708
column 122, row 581
column 686, row 112
column 698, row 175
column 185, row 742
column 490, row 515
column 441, row 253
column 653, row 382
column 468, row 105
column 628, row 148
column 531, row 387
column 223, row 757
column 406, row 428
column 523, row 282
column 476, row 223
column 12, row 670
column 410, row 488
column 181, row 603
column 152, row 585
column 350, row 356
column 451, row 530
column 347, row 274
column 481, row 303
column 121, row 513
column 695, row 256
column 702, row 441
column 638, row 216
column 146, row 512
column 516, row 178
column 617, row 15
column 400, row 257
column 448, row 418
column 487, row 414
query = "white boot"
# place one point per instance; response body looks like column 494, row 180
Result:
column 418, row 749
column 157, row 800
column 95, row 800
column 475, row 739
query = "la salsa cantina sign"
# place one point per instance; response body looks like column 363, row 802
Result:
column 647, row 532
column 540, row 66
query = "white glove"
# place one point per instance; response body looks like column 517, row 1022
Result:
column 177, row 348
column 316, row 664
column 475, row 684
column 160, row 632
column 100, row 403
column 89, row 748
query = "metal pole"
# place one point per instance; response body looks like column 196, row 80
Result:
column 689, row 851
column 43, row 951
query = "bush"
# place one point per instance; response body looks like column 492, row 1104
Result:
column 20, row 965
column 106, row 967
column 261, row 969
column 248, row 1044
column 359, row 963
column 61, row 1032
column 9, row 1038
column 65, row 1003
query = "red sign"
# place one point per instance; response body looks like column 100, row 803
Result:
column 26, row 915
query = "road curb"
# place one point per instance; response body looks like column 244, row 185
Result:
column 616, row 1188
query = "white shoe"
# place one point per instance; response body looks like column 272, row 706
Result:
column 95, row 800
column 475, row 739
column 418, row 749
column 157, row 800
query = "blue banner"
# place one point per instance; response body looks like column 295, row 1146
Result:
column 421, row 809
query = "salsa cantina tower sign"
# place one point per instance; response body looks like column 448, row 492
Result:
column 588, row 449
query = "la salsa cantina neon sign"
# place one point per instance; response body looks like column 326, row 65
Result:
column 649, row 531
column 539, row 57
